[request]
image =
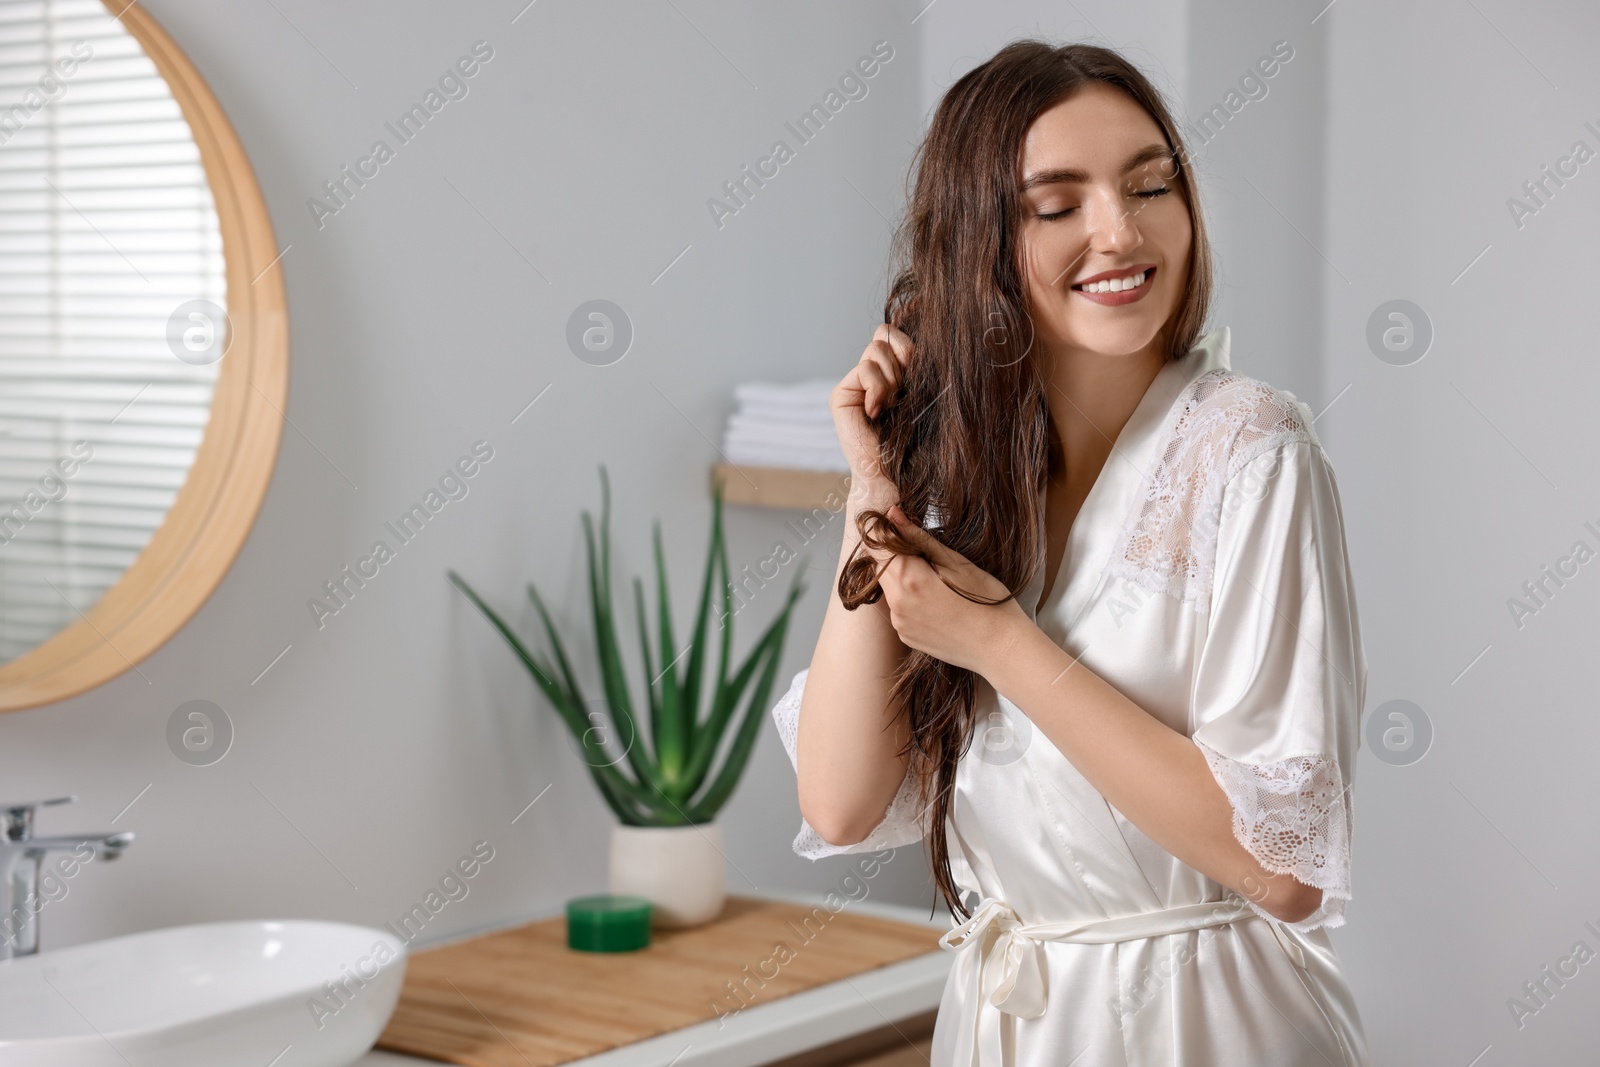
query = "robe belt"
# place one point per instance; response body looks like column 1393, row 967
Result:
column 1011, row 972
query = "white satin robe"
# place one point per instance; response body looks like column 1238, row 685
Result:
column 1206, row 578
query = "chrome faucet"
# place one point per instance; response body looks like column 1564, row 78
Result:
column 21, row 869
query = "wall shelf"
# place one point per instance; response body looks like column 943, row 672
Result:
column 782, row 487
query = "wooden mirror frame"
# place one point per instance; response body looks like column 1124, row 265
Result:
column 214, row 510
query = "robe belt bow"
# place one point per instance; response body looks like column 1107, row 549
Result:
column 1011, row 973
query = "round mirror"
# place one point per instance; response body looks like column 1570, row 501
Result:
column 143, row 344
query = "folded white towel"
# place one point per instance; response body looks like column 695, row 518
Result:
column 806, row 395
column 741, row 425
column 751, row 455
column 818, row 415
column 783, row 425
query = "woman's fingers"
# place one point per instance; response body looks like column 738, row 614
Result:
column 876, row 386
column 943, row 559
column 856, row 387
column 881, row 368
column 898, row 341
column 864, row 393
column 901, row 574
column 881, row 354
column 881, row 359
column 937, row 552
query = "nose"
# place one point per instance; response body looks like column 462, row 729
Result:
column 1112, row 228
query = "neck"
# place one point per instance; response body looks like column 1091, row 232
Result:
column 1092, row 396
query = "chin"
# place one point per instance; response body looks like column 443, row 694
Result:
column 1116, row 338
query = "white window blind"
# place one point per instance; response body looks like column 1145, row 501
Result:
column 107, row 225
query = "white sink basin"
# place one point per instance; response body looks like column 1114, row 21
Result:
column 211, row 995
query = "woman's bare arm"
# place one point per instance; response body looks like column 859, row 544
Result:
column 848, row 732
column 848, row 735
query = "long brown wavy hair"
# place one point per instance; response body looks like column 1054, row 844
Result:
column 968, row 440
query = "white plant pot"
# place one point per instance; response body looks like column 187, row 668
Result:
column 680, row 870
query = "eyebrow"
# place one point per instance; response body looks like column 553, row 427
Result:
column 1071, row 175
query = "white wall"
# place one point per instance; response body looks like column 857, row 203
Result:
column 1462, row 475
column 958, row 36
column 1262, row 168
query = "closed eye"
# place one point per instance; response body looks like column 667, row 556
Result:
column 1149, row 194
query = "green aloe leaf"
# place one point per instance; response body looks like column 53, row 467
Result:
column 607, row 650
column 555, row 643
column 709, row 735
column 744, row 740
column 548, row 685
column 649, row 666
column 670, row 743
column 697, row 654
column 729, row 693
column 725, row 628
column 569, row 706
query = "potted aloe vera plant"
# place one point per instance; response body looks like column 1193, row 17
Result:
column 666, row 794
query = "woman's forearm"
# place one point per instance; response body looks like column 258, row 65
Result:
column 1151, row 773
column 849, row 736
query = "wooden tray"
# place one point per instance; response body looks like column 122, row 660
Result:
column 521, row 998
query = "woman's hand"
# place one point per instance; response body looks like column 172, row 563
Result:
column 866, row 392
column 931, row 617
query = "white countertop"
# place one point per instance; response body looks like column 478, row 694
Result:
column 770, row 1031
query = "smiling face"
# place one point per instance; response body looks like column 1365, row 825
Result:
column 1099, row 202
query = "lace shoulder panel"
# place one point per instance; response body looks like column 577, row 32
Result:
column 1294, row 817
column 1218, row 424
column 901, row 824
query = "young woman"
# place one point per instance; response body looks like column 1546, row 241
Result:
column 1076, row 537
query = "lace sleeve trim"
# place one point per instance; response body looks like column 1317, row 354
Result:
column 901, row 824
column 1220, row 423
column 1294, row 817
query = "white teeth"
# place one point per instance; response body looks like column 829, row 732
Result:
column 1116, row 285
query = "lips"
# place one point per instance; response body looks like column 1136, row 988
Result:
column 1122, row 272
column 1120, row 297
